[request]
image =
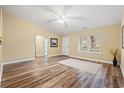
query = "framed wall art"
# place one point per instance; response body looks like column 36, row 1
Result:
column 90, row 43
column 53, row 42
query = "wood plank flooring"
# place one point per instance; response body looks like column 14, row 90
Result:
column 47, row 73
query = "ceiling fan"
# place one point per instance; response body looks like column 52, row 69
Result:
column 62, row 17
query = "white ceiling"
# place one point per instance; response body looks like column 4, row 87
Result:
column 93, row 16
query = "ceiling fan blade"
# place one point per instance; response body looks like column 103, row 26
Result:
column 66, row 24
column 50, row 10
column 66, row 8
column 51, row 20
column 75, row 18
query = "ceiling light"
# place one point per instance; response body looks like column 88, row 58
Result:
column 61, row 21
column 85, row 27
column 61, row 18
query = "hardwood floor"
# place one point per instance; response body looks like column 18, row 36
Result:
column 47, row 73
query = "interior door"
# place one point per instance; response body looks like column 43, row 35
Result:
column 45, row 46
column 40, row 46
column 65, row 45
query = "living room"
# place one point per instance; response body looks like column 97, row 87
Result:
column 82, row 44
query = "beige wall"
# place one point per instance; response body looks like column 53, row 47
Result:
column 0, row 45
column 0, row 34
column 122, row 50
column 110, row 40
column 19, row 38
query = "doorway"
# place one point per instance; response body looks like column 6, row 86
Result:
column 65, row 45
column 41, row 46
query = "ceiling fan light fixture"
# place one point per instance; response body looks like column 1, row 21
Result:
column 61, row 18
column 85, row 27
column 61, row 21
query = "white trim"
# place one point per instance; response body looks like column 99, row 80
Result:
column 97, row 60
column 54, row 55
column 65, row 44
column 122, row 70
column 1, row 71
column 17, row 61
column 40, row 55
column 28, row 59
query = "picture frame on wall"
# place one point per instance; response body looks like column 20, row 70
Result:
column 91, row 43
column 123, row 36
column 53, row 42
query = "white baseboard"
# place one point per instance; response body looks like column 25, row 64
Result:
column 28, row 59
column 97, row 60
column 1, row 70
column 39, row 55
column 17, row 61
column 54, row 55
column 122, row 70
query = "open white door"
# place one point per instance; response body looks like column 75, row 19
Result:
column 65, row 45
column 41, row 46
column 46, row 46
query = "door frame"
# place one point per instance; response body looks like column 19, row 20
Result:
column 67, row 45
column 35, row 45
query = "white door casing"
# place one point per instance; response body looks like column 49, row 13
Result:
column 41, row 46
column 65, row 45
